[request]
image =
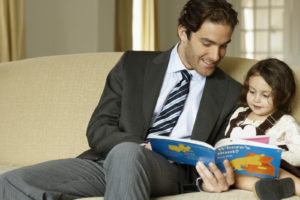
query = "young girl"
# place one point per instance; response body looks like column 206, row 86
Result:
column 265, row 109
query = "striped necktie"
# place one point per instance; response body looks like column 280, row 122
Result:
column 167, row 118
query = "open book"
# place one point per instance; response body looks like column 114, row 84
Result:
column 246, row 157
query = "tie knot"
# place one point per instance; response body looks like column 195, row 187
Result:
column 185, row 75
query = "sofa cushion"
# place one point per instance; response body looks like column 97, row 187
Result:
column 230, row 195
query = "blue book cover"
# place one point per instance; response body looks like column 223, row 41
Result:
column 246, row 157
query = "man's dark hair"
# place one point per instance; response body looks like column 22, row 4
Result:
column 279, row 77
column 195, row 12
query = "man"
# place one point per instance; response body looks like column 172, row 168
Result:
column 120, row 163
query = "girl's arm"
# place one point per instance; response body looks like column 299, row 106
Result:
column 287, row 132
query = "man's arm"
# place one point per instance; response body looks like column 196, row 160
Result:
column 104, row 129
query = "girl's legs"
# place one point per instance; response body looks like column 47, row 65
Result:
column 246, row 182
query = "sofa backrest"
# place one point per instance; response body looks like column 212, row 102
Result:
column 46, row 103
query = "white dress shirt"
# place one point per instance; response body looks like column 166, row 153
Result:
column 185, row 123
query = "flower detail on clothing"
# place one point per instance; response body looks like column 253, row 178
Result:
column 246, row 131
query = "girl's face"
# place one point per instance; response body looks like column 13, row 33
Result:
column 259, row 97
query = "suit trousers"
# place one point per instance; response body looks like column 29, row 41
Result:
column 129, row 172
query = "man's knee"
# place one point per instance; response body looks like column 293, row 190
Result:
column 6, row 184
column 2, row 180
column 130, row 150
column 126, row 154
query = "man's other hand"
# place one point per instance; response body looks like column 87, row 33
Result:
column 213, row 179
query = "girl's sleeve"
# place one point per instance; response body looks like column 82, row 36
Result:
column 291, row 138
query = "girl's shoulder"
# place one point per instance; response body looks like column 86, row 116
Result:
column 238, row 110
column 241, row 109
column 287, row 119
column 286, row 124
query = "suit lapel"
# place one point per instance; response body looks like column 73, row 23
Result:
column 210, row 107
column 153, row 79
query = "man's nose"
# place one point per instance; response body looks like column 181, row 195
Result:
column 215, row 53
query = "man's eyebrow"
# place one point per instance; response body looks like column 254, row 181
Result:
column 228, row 42
column 213, row 42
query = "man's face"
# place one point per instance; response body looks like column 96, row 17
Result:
column 205, row 48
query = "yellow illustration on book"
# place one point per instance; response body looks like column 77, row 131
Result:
column 179, row 148
column 254, row 163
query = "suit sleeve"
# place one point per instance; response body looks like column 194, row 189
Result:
column 103, row 131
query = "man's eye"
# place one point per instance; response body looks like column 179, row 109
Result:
column 206, row 44
column 224, row 46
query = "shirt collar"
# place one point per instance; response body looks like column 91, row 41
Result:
column 175, row 64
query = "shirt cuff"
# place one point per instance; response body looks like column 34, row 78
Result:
column 199, row 182
column 143, row 144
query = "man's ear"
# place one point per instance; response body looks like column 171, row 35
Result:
column 181, row 30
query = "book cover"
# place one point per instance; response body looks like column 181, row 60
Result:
column 245, row 156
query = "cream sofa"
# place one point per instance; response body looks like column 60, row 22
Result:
column 46, row 103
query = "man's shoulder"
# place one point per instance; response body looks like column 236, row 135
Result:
column 142, row 54
column 142, row 57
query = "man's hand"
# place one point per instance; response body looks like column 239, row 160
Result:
column 214, row 180
column 148, row 146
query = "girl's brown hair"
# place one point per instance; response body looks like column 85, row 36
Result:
column 281, row 79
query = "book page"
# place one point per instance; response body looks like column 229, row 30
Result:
column 229, row 141
column 181, row 140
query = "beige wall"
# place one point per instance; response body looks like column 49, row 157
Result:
column 168, row 14
column 68, row 26
column 55, row 27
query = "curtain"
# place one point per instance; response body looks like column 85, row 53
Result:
column 12, row 30
column 123, row 25
column 150, row 33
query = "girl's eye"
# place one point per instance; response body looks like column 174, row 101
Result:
column 251, row 92
column 266, row 96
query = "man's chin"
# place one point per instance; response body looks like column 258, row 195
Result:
column 206, row 72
